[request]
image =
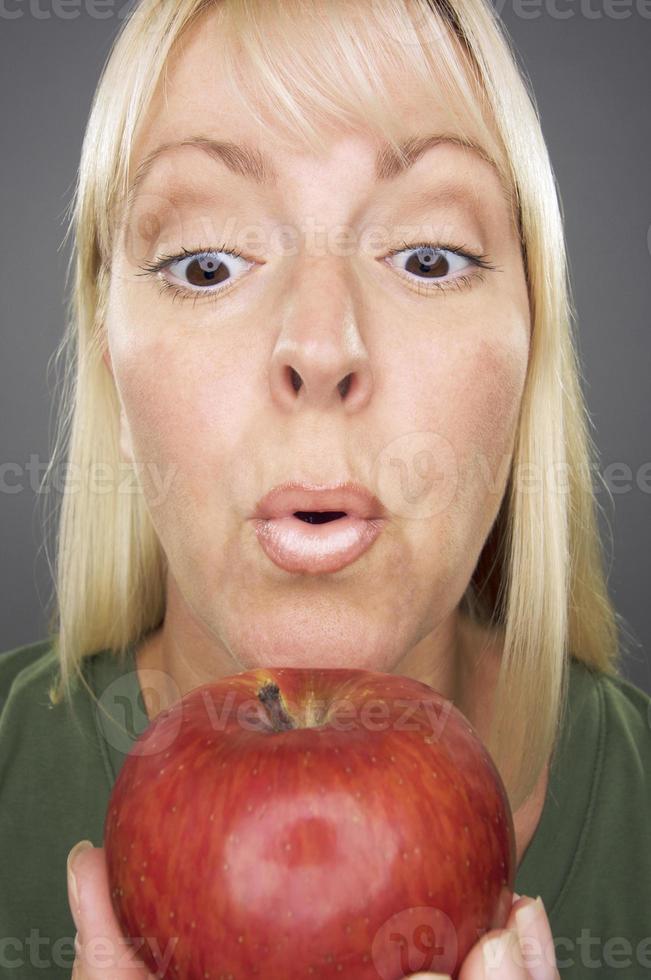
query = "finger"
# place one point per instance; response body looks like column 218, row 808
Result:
column 430, row 976
column 536, row 941
column 496, row 956
column 103, row 951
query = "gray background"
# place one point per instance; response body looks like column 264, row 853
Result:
column 590, row 66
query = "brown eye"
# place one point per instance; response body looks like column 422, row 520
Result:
column 206, row 270
column 429, row 262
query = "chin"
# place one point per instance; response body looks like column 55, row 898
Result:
column 309, row 641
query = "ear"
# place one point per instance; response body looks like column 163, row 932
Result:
column 126, row 444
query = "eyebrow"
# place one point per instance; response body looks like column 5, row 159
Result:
column 252, row 164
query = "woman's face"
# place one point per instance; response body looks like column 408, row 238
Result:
column 213, row 417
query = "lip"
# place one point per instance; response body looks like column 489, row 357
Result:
column 347, row 495
column 297, row 546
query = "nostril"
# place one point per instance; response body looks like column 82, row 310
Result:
column 319, row 517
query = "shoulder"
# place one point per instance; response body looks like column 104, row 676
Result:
column 622, row 709
column 32, row 726
column 627, row 703
column 605, row 796
column 82, row 735
column 609, row 726
column 30, row 665
column 54, row 787
column 58, row 758
column 35, row 734
column 590, row 857
column 626, row 744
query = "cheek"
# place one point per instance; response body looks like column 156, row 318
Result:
column 184, row 428
column 485, row 428
column 484, row 397
column 492, row 392
column 175, row 398
column 179, row 384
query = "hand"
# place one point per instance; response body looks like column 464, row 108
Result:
column 527, row 954
column 101, row 951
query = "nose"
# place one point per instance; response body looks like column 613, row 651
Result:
column 320, row 359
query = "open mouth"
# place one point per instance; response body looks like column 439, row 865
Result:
column 319, row 516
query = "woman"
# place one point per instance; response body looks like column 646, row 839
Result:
column 363, row 194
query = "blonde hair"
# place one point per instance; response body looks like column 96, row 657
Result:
column 540, row 579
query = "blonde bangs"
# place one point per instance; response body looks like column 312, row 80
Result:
column 277, row 62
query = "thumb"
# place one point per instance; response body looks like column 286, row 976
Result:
column 101, row 949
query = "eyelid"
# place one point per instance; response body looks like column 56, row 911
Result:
column 463, row 250
column 165, row 261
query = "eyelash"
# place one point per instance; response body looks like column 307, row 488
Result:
column 478, row 259
column 152, row 270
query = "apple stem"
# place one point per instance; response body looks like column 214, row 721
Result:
column 269, row 695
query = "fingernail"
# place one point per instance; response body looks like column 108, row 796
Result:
column 498, row 950
column 83, row 845
column 539, row 952
column 526, row 914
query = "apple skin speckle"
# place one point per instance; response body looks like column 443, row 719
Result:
column 380, row 824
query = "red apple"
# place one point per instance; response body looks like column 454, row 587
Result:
column 296, row 822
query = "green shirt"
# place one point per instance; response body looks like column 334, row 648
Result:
column 590, row 858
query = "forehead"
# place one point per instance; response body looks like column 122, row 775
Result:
column 198, row 94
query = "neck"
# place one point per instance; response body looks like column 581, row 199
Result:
column 458, row 659
column 181, row 655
